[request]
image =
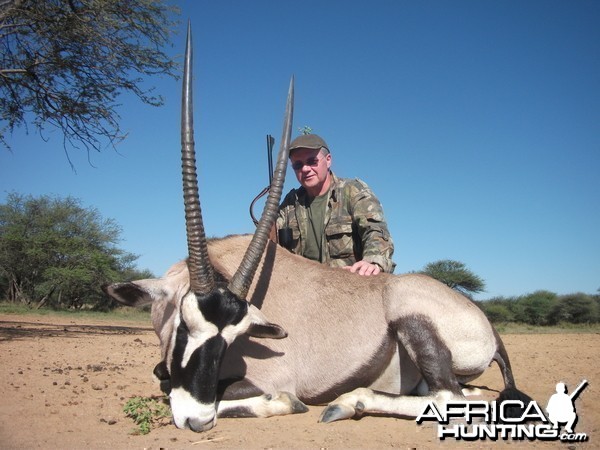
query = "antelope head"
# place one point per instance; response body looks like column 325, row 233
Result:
column 211, row 317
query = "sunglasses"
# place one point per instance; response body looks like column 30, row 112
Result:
column 310, row 162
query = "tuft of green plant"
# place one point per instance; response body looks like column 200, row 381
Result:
column 147, row 413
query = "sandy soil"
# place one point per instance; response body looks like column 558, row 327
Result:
column 65, row 381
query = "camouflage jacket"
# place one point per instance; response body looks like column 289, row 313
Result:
column 355, row 228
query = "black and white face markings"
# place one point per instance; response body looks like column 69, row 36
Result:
column 204, row 328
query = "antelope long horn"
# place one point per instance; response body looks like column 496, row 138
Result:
column 242, row 279
column 202, row 280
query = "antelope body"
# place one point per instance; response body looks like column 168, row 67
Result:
column 385, row 344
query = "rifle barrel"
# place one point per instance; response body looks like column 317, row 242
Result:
column 578, row 389
column 270, row 143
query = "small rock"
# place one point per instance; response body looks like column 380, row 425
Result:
column 109, row 421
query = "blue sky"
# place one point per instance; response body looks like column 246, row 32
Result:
column 477, row 124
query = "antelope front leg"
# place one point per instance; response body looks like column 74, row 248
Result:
column 265, row 405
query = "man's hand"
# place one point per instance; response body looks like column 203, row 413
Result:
column 364, row 268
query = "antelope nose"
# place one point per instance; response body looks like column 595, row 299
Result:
column 198, row 425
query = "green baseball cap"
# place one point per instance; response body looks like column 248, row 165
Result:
column 311, row 141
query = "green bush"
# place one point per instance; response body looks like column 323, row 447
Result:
column 575, row 308
column 534, row 309
column 497, row 313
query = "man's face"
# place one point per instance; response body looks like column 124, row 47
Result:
column 311, row 167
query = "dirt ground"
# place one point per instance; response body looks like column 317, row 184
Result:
column 65, row 382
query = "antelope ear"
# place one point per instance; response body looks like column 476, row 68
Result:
column 260, row 327
column 137, row 293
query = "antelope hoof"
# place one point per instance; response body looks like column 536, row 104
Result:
column 298, row 407
column 337, row 412
column 284, row 403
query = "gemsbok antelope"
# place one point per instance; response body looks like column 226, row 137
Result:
column 386, row 344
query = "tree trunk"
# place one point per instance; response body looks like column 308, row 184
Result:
column 15, row 291
column 45, row 298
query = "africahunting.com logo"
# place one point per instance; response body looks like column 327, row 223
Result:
column 480, row 420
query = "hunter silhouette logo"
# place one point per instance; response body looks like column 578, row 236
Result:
column 561, row 406
column 480, row 420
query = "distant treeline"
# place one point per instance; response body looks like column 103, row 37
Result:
column 543, row 308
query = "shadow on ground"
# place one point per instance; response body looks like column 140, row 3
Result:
column 19, row 330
